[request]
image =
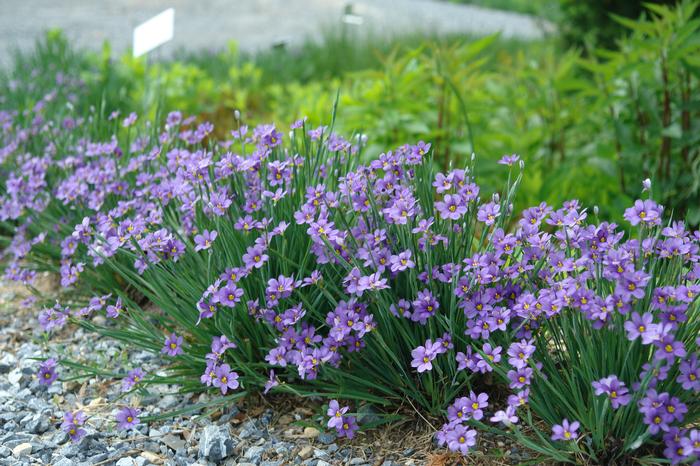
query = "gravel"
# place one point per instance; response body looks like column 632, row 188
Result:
column 31, row 414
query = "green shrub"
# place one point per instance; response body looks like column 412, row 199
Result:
column 592, row 22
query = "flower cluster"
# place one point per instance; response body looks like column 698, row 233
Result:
column 331, row 269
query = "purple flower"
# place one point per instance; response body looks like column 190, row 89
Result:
column 507, row 417
column 225, row 378
column 488, row 213
column 476, row 405
column 205, row 240
column 460, row 438
column 519, row 353
column 71, row 425
column 129, row 120
column 371, row 282
column 669, row 349
column 402, row 261
column 336, row 413
column 47, row 372
column 452, row 207
column 647, row 212
column 615, row 390
column 127, row 417
column 280, row 287
column 424, row 307
column 230, row 295
column 255, row 257
column 424, row 355
column 689, row 377
column 173, row 345
column 132, row 378
column 691, row 443
column 509, row 160
column 271, row 383
column 642, row 326
column 520, row 378
column 219, row 345
column 55, row 317
column 565, row 431
column 491, row 356
column 458, row 411
column 348, row 427
column 114, row 310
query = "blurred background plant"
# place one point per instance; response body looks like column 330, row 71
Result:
column 484, row 95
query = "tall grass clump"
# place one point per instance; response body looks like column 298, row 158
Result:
column 300, row 263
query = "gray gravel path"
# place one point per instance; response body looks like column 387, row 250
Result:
column 254, row 24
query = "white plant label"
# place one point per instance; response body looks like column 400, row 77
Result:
column 154, row 32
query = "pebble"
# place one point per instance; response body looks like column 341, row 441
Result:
column 326, row 438
column 174, row 442
column 216, row 443
column 152, row 457
column 311, row 432
column 306, row 452
column 23, row 449
column 255, row 453
column 64, row 462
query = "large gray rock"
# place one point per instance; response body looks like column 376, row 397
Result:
column 216, row 443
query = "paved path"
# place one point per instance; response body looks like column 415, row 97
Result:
column 254, row 24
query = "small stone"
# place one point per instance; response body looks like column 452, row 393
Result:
column 356, row 461
column 23, row 449
column 255, row 454
column 322, row 463
column 15, row 376
column 249, row 430
column 4, row 451
column 266, row 418
column 173, row 441
column 310, row 432
column 282, row 449
column 38, row 425
column 326, row 438
column 168, row 402
column 64, row 462
column 151, row 457
column 98, row 458
column 408, row 451
column 216, row 443
column 306, row 452
column 126, row 461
